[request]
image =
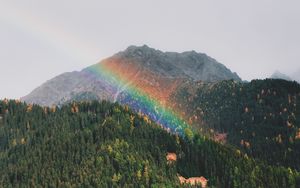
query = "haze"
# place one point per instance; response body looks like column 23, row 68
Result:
column 40, row 40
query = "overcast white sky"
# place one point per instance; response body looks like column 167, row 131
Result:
column 41, row 39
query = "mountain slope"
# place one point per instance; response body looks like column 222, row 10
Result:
column 157, row 72
column 260, row 118
column 100, row 144
column 66, row 87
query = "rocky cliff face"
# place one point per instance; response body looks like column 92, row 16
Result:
column 190, row 64
column 155, row 72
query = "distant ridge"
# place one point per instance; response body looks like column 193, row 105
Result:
column 296, row 76
column 279, row 75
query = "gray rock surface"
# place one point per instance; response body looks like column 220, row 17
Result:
column 187, row 65
column 190, row 64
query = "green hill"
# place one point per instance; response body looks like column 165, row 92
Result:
column 260, row 118
column 92, row 144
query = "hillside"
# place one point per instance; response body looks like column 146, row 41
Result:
column 94, row 144
column 260, row 118
column 192, row 96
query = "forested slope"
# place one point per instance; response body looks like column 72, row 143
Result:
column 107, row 145
column 261, row 118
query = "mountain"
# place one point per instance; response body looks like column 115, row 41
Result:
column 296, row 76
column 254, row 117
column 279, row 75
column 102, row 144
column 234, row 133
column 157, row 72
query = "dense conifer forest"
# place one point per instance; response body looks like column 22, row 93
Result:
column 260, row 118
column 102, row 144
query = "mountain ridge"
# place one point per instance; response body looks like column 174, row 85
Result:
column 185, row 61
column 279, row 75
column 296, row 75
column 153, row 66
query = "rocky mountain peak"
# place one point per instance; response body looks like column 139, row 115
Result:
column 189, row 64
column 138, row 52
column 158, row 72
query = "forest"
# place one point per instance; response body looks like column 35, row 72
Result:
column 103, row 144
column 260, row 118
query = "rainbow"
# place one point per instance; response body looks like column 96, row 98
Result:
column 125, row 93
column 138, row 99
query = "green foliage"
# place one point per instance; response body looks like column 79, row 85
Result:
column 261, row 118
column 92, row 144
column 189, row 134
column 95, row 146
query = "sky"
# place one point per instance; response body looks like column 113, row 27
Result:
column 42, row 39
